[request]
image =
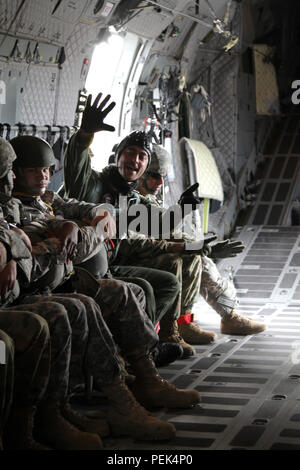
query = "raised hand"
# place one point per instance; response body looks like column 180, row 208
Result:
column 94, row 115
column 187, row 197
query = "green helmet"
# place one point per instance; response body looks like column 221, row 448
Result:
column 7, row 156
column 160, row 161
column 32, row 152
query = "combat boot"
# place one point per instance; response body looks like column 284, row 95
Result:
column 18, row 431
column 151, row 390
column 129, row 378
column 193, row 334
column 235, row 324
column 169, row 333
column 166, row 353
column 53, row 429
column 127, row 417
column 94, row 425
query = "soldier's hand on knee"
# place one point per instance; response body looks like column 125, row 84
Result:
column 68, row 237
column 105, row 225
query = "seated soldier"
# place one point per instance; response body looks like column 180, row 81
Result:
column 125, row 318
column 206, row 280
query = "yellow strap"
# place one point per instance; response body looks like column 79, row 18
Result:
column 205, row 214
column 16, row 194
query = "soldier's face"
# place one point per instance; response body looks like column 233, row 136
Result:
column 154, row 183
column 33, row 181
column 132, row 163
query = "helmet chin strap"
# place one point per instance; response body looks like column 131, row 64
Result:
column 5, row 187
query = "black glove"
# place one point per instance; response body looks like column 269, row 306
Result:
column 188, row 198
column 226, row 249
column 93, row 116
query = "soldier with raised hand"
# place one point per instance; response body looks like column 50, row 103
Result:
column 32, row 169
column 132, row 158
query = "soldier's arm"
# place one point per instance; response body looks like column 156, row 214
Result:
column 8, row 274
column 71, row 208
column 81, row 181
column 147, row 247
column 14, row 241
column 164, row 220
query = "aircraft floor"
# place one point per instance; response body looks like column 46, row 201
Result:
column 250, row 386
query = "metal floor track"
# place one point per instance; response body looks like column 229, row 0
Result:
column 250, row 386
column 280, row 175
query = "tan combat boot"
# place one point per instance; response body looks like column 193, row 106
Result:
column 52, row 428
column 152, row 391
column 169, row 333
column 18, row 431
column 235, row 324
column 129, row 418
column 94, row 425
column 193, row 334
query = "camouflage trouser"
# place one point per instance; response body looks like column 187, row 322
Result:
column 187, row 270
column 28, row 356
column 6, row 377
column 60, row 339
column 99, row 357
column 166, row 288
column 125, row 316
column 144, row 292
column 218, row 292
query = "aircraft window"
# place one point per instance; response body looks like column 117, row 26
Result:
column 104, row 66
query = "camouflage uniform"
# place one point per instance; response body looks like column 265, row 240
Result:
column 125, row 316
column 50, row 213
column 6, row 378
column 93, row 350
column 186, row 268
column 216, row 290
column 28, row 356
